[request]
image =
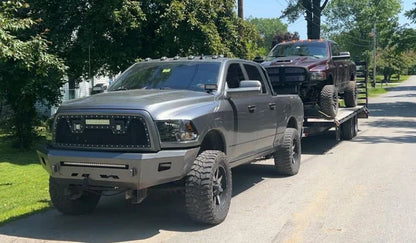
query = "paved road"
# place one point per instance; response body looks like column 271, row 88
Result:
column 361, row 190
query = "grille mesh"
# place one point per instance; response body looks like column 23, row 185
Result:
column 106, row 131
column 287, row 74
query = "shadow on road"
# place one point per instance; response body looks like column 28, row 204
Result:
column 115, row 220
column 402, row 109
column 383, row 139
column 402, row 88
column 319, row 144
column 393, row 123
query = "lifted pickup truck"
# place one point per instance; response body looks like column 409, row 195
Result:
column 316, row 70
column 186, row 120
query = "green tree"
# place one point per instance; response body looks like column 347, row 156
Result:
column 203, row 27
column 280, row 37
column 351, row 24
column 312, row 10
column 28, row 72
column 411, row 14
column 392, row 61
column 93, row 36
column 267, row 28
column 103, row 36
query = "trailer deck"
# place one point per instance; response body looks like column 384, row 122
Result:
column 345, row 123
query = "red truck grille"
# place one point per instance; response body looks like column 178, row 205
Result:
column 110, row 132
column 286, row 80
column 287, row 74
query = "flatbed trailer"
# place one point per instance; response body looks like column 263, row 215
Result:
column 345, row 123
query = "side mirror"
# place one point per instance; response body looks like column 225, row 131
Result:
column 247, row 87
column 343, row 55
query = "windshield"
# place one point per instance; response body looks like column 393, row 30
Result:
column 168, row 75
column 312, row 49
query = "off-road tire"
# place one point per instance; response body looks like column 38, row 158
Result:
column 207, row 199
column 288, row 155
column 349, row 128
column 61, row 194
column 328, row 101
column 350, row 95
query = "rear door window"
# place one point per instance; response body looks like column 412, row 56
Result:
column 254, row 74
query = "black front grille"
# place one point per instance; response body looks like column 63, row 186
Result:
column 113, row 132
column 287, row 74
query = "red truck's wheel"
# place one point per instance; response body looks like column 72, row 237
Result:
column 208, row 188
column 329, row 101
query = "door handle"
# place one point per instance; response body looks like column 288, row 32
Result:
column 272, row 106
column 251, row 108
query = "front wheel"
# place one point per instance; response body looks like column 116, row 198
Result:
column 329, row 101
column 72, row 200
column 288, row 155
column 208, row 188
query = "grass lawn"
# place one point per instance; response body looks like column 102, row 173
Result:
column 23, row 182
column 382, row 88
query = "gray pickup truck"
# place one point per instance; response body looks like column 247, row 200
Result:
column 181, row 120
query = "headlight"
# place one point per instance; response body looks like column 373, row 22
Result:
column 176, row 131
column 318, row 76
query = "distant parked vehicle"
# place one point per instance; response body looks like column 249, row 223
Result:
column 99, row 88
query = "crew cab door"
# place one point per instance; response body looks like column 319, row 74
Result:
column 267, row 108
column 254, row 125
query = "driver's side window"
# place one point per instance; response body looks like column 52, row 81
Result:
column 335, row 49
column 234, row 76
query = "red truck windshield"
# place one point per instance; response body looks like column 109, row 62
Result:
column 312, row 49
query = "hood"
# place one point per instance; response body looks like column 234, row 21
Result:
column 304, row 61
column 153, row 101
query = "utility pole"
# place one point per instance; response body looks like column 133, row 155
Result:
column 374, row 54
column 240, row 9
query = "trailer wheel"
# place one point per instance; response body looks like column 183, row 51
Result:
column 287, row 157
column 349, row 129
column 208, row 188
column 350, row 95
column 329, row 101
column 72, row 200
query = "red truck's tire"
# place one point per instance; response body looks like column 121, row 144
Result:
column 329, row 101
column 350, row 95
column 287, row 157
column 73, row 202
column 208, row 188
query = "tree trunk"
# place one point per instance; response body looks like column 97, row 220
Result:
column 316, row 20
column 313, row 12
column 307, row 4
column 71, row 88
column 240, row 9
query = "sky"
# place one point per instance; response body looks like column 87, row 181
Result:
column 273, row 9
